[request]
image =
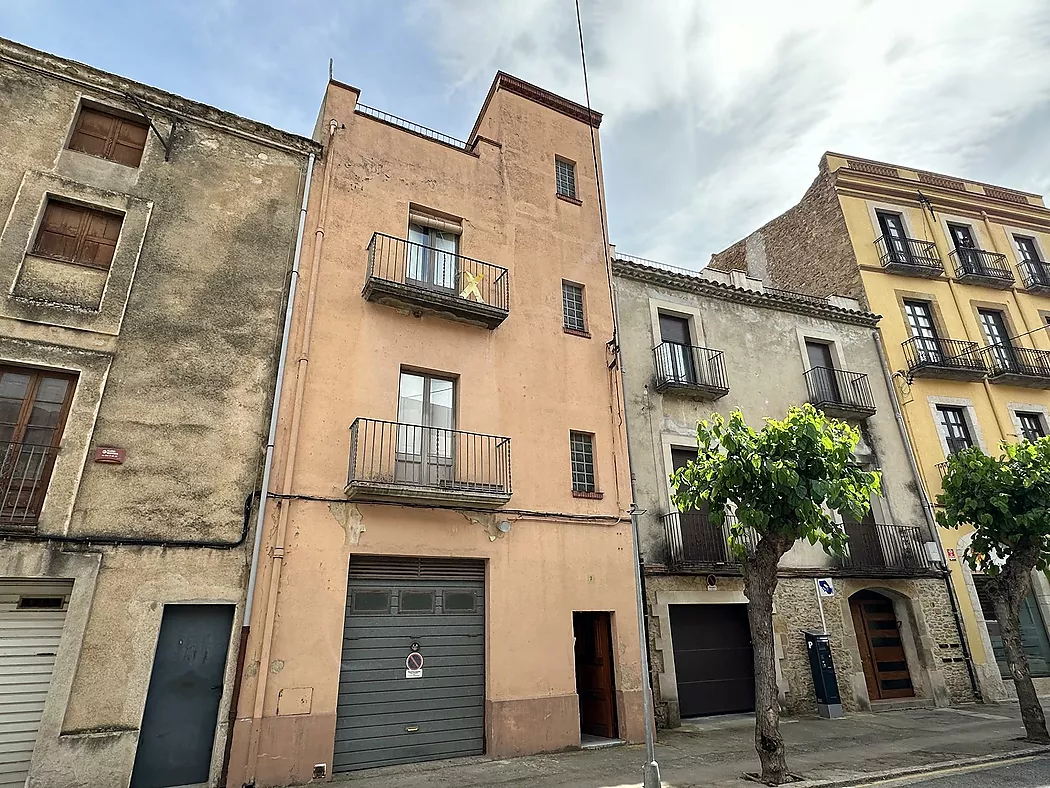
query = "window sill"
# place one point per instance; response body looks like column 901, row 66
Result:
column 575, row 333
column 67, row 261
column 567, row 198
column 584, row 494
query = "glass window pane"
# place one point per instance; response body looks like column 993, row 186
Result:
column 417, row 601
column 13, row 385
column 52, row 390
column 370, row 601
column 460, row 602
column 410, row 399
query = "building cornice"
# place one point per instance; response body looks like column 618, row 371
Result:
column 519, row 87
column 695, row 284
column 100, row 83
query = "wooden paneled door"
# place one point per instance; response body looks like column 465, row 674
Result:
column 881, row 649
column 594, row 674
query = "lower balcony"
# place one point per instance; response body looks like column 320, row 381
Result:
column 840, row 393
column 953, row 359
column 694, row 542
column 1018, row 366
column 886, row 549
column 391, row 461
column 980, row 267
column 25, row 470
column 434, row 281
column 695, row 372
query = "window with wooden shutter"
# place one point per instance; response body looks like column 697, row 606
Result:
column 75, row 234
column 109, row 136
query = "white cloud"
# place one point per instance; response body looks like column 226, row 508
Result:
column 735, row 102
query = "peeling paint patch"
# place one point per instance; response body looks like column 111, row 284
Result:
column 350, row 519
column 277, row 666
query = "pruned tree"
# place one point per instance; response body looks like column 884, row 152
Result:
column 1006, row 499
column 782, row 481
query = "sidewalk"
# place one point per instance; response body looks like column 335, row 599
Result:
column 716, row 752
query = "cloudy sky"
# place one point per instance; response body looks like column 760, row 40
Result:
column 716, row 112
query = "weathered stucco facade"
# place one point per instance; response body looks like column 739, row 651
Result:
column 750, row 351
column 834, row 240
column 169, row 351
column 370, row 320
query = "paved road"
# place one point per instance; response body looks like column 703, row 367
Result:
column 1023, row 773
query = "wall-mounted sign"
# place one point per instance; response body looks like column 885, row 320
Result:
column 825, row 587
column 109, row 454
column 951, row 554
column 414, row 666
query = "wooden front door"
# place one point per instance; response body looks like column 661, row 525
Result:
column 594, row 674
column 881, row 649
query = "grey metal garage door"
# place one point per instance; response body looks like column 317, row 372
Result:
column 713, row 659
column 397, row 607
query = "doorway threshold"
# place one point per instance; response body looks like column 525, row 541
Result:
column 591, row 742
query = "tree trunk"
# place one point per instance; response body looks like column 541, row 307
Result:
column 1009, row 589
column 760, row 581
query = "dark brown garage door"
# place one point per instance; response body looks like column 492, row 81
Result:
column 713, row 660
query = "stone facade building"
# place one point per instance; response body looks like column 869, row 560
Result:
column 959, row 271
column 448, row 561
column 697, row 343
column 145, row 252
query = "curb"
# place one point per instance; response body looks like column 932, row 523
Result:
column 892, row 774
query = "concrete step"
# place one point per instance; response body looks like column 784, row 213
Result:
column 902, row 704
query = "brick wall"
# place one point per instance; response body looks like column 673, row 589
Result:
column 807, row 248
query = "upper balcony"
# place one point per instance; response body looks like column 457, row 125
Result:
column 390, row 461
column 696, row 372
column 1018, row 366
column 25, row 470
column 435, row 281
column 983, row 268
column 840, row 393
column 909, row 256
column 933, row 357
column 886, row 549
column 1035, row 276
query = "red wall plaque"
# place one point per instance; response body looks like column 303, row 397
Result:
column 109, row 454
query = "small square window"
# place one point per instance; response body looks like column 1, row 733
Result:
column 109, row 136
column 572, row 307
column 76, row 234
column 581, row 453
column 565, row 177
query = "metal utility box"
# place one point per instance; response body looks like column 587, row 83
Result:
column 818, row 646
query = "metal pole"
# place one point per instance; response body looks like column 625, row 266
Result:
column 820, row 604
column 651, row 769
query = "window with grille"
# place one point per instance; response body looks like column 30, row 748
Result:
column 581, row 448
column 1031, row 425
column 109, row 136
column 565, row 177
column 957, row 432
column 572, row 306
column 76, row 234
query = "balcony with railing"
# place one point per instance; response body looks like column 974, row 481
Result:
column 888, row 549
column 954, row 359
column 696, row 372
column 909, row 256
column 694, row 542
column 391, row 461
column 1035, row 276
column 981, row 267
column 840, row 393
column 422, row 278
column 25, row 470
column 1018, row 366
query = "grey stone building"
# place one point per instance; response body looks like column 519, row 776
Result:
column 698, row 343
column 145, row 254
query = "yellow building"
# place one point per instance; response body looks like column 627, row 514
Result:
column 958, row 271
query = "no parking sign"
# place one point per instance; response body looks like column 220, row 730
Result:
column 414, row 666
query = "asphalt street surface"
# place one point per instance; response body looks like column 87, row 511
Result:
column 1031, row 772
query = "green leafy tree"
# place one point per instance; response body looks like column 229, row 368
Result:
column 782, row 480
column 1006, row 499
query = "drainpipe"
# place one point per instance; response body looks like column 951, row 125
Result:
column 302, row 363
column 927, row 510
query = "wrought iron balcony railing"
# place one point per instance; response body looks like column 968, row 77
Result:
column 394, row 461
column 982, row 267
column 694, row 541
column 404, row 273
column 909, row 256
column 691, row 371
column 1018, row 365
column 1035, row 276
column 889, row 548
column 25, row 470
column 840, row 393
column 934, row 357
